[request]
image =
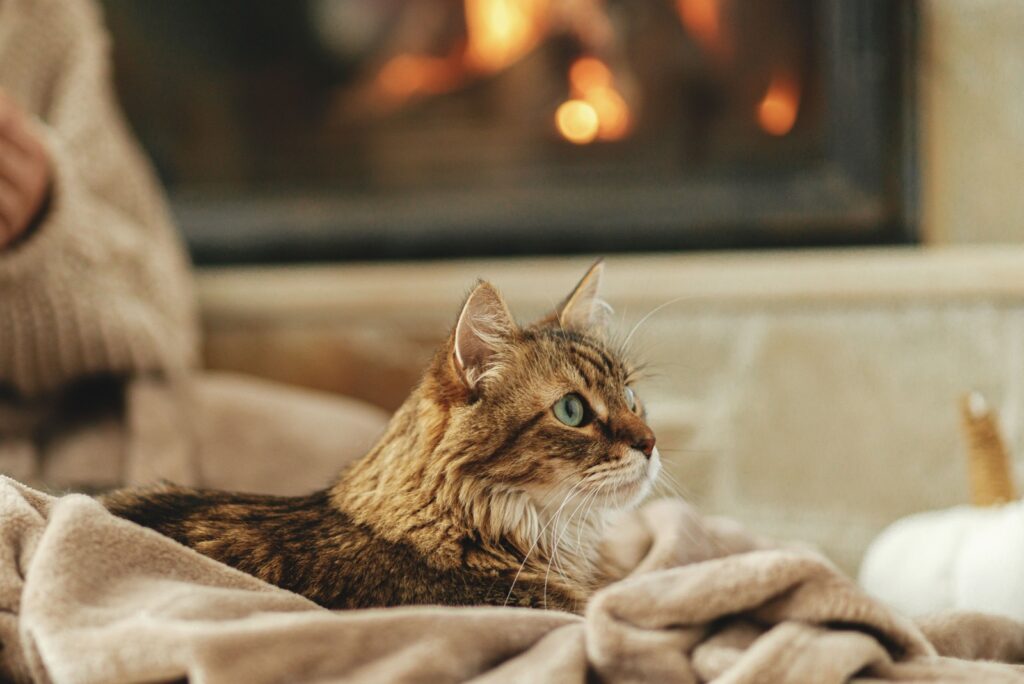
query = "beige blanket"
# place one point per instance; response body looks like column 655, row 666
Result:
column 86, row 597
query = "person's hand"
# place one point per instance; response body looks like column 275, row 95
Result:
column 24, row 172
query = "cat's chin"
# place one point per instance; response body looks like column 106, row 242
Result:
column 625, row 495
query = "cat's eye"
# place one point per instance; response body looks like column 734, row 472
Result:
column 571, row 410
column 630, row 397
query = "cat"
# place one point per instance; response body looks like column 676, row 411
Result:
column 488, row 487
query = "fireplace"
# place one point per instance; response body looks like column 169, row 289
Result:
column 370, row 129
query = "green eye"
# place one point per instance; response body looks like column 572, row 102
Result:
column 570, row 409
column 630, row 397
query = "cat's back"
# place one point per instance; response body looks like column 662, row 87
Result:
column 310, row 546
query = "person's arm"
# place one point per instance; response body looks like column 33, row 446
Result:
column 95, row 280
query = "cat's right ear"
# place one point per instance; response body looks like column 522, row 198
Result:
column 484, row 326
column 584, row 309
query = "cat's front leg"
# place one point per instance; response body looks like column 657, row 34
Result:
column 548, row 597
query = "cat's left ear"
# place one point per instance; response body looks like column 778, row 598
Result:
column 484, row 326
column 584, row 309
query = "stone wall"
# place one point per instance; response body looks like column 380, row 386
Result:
column 825, row 425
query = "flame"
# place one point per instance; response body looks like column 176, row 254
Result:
column 703, row 19
column 612, row 112
column 596, row 111
column 577, row 121
column 409, row 75
column 777, row 110
column 499, row 32
column 588, row 73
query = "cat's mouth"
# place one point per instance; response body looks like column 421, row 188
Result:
column 626, row 488
column 622, row 487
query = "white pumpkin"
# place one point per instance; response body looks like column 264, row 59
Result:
column 965, row 558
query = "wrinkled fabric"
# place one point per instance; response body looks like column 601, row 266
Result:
column 87, row 597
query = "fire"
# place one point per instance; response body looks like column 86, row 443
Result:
column 408, row 76
column 588, row 73
column 499, row 32
column 777, row 110
column 577, row 121
column 612, row 112
column 597, row 111
column 703, row 19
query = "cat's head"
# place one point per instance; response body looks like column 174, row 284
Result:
column 549, row 408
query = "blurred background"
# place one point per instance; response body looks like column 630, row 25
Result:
column 379, row 129
column 810, row 208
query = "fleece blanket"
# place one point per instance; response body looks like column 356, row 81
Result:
column 87, row 597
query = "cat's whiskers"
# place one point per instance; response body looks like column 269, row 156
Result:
column 556, row 546
column 497, row 512
column 578, row 558
column 625, row 343
column 586, row 519
column 593, row 528
column 623, row 478
column 549, row 519
column 552, row 545
column 537, row 541
column 676, row 488
column 662, row 488
column 506, row 513
column 584, row 528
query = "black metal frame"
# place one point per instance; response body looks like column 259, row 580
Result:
column 862, row 191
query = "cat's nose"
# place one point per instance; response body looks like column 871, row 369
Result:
column 645, row 443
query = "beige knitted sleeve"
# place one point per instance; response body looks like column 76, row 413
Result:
column 101, row 284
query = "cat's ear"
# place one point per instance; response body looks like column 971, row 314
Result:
column 484, row 326
column 584, row 309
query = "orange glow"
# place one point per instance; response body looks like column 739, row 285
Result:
column 407, row 76
column 500, row 32
column 577, row 121
column 777, row 110
column 612, row 113
column 588, row 73
column 597, row 108
column 703, row 19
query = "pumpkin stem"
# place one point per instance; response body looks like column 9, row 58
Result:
column 988, row 462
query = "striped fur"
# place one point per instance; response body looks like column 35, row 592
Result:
column 476, row 493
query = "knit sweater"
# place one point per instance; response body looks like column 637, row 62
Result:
column 98, row 336
column 97, row 321
column 101, row 285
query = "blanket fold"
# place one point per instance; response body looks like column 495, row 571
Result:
column 87, row 597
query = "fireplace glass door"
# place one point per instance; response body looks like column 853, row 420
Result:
column 365, row 129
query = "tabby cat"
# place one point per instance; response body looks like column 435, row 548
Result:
column 488, row 487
